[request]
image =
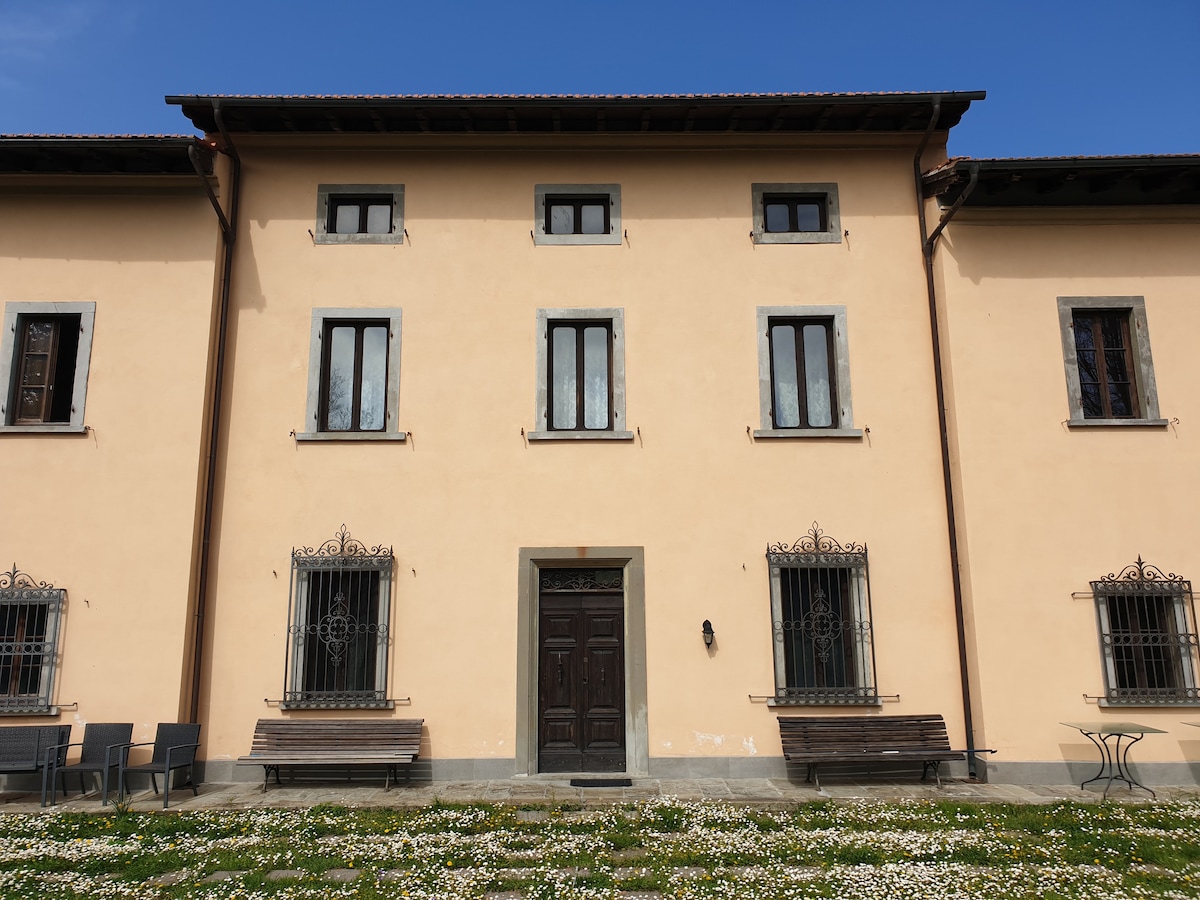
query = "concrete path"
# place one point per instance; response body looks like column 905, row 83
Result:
column 553, row 791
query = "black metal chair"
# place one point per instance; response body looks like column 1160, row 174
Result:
column 100, row 742
column 175, row 747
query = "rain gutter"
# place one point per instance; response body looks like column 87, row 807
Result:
column 928, row 246
column 216, row 392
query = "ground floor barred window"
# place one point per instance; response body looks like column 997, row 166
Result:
column 1148, row 636
column 29, row 615
column 821, row 614
column 338, row 631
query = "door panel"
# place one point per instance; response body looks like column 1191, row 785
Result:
column 581, row 674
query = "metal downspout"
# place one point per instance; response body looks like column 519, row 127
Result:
column 928, row 244
column 229, row 235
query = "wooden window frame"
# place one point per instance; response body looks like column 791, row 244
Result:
column 362, row 201
column 792, row 201
column 801, row 369
column 330, row 196
column 66, row 375
column 578, row 326
column 359, row 326
column 577, row 202
column 1098, row 318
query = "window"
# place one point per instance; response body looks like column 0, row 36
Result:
column 1106, row 355
column 360, row 214
column 581, row 375
column 338, row 631
column 29, row 614
column 354, row 375
column 44, row 358
column 796, row 214
column 1148, row 637
column 577, row 214
column 821, row 614
column 804, row 372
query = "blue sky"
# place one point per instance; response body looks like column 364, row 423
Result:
column 1063, row 77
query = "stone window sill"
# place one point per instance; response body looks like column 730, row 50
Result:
column 794, row 433
column 351, row 436
column 579, row 435
column 1118, row 423
column 44, row 429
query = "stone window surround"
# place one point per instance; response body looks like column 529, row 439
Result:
column 1139, row 332
column 845, row 428
column 833, row 217
column 86, row 310
column 312, row 407
column 325, row 191
column 542, row 432
column 541, row 191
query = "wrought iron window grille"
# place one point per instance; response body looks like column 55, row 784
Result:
column 1148, row 637
column 555, row 580
column 338, row 616
column 29, row 617
column 821, row 622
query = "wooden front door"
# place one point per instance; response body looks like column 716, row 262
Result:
column 581, row 670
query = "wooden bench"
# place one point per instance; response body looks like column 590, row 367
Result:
column 334, row 742
column 813, row 740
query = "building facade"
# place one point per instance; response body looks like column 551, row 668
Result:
column 598, row 432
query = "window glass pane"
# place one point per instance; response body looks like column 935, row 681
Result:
column 346, row 218
column 776, row 217
column 1120, row 400
column 562, row 219
column 1083, row 333
column 562, row 377
column 373, row 398
column 786, row 386
column 1113, row 333
column 39, row 337
column 379, row 218
column 339, row 409
column 808, row 216
column 1090, row 398
column 595, row 377
column 36, row 367
column 30, row 406
column 816, row 376
column 592, row 218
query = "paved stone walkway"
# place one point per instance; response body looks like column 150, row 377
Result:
column 554, row 791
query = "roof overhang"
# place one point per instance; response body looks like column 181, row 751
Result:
column 100, row 155
column 701, row 114
column 1069, row 181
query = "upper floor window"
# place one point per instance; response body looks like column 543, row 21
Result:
column 29, row 616
column 44, row 357
column 354, row 375
column 338, row 629
column 577, row 214
column 1106, row 354
column 581, row 374
column 821, row 610
column 804, row 372
column 1147, row 636
column 360, row 214
column 795, row 213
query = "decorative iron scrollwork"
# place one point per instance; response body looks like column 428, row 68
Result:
column 816, row 548
column 582, row 579
column 1141, row 578
column 15, row 579
column 343, row 551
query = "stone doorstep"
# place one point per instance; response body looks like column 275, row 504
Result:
column 221, row 875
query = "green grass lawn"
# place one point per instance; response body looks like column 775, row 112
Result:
column 891, row 850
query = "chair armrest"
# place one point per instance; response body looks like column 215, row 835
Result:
column 177, row 747
column 46, row 757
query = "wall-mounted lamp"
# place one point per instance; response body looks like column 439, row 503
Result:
column 707, row 631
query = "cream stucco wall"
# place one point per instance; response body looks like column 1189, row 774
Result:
column 1047, row 509
column 460, row 498
column 109, row 515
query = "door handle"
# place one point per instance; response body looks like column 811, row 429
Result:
column 560, row 674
